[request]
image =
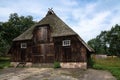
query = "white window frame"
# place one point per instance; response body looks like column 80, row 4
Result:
column 66, row 42
column 23, row 45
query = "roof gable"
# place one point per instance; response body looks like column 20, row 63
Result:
column 58, row 27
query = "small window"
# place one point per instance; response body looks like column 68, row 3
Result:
column 23, row 45
column 66, row 43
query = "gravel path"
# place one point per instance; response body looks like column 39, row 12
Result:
column 54, row 74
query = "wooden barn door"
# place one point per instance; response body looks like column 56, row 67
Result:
column 38, row 56
column 23, row 52
column 22, row 55
column 67, row 54
column 58, row 53
column 43, row 53
column 63, row 53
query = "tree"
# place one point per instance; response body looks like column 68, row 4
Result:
column 15, row 26
column 114, row 40
column 107, row 42
column 12, row 28
column 2, row 42
column 99, row 43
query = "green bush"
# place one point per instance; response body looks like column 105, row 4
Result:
column 90, row 63
column 57, row 64
column 4, row 62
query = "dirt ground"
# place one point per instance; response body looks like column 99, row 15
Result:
column 54, row 74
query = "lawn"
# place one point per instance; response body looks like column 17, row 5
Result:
column 110, row 64
column 4, row 62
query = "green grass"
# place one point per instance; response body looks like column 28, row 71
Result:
column 4, row 62
column 110, row 64
column 56, row 64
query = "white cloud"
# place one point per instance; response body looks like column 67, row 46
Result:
column 88, row 19
column 69, row 3
column 91, row 21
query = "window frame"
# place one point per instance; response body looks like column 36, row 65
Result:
column 66, row 42
column 23, row 45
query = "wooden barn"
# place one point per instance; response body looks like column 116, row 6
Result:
column 48, row 41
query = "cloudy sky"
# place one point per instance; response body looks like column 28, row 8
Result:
column 87, row 17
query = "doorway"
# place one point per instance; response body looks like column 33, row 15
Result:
column 23, row 55
column 67, row 55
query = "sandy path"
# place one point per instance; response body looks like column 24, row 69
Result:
column 98, row 75
column 21, row 74
column 54, row 74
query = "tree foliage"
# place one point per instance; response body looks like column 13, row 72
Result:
column 12, row 28
column 107, row 42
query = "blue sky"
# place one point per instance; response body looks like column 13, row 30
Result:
column 87, row 17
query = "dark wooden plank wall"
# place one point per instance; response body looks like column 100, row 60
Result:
column 76, row 53
column 16, row 51
column 41, row 34
column 41, row 48
column 43, row 53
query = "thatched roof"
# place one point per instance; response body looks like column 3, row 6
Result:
column 87, row 46
column 58, row 28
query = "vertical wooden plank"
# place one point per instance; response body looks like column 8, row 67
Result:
column 83, row 53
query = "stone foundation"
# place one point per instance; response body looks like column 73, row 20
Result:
column 30, row 64
column 82, row 65
column 14, row 64
column 44, row 65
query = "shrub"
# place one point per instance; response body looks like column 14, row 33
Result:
column 4, row 62
column 57, row 64
column 90, row 63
